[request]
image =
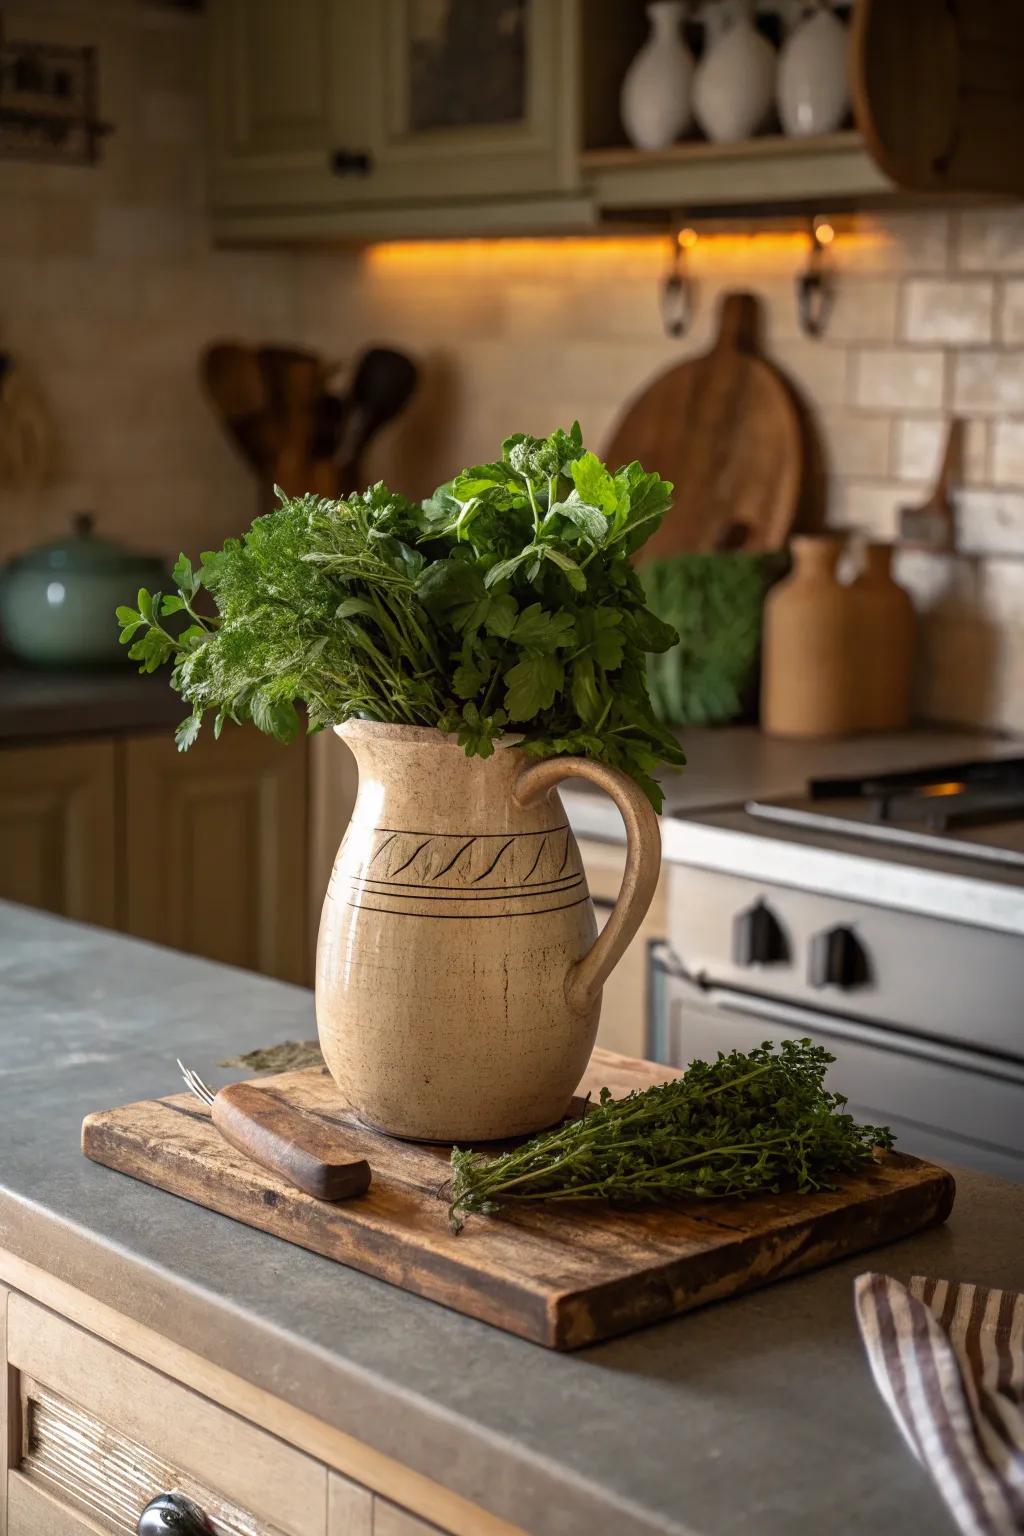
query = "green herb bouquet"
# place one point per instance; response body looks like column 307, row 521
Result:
column 505, row 602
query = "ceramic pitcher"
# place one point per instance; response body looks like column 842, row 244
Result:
column 459, row 968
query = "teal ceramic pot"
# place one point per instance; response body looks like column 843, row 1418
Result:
column 57, row 602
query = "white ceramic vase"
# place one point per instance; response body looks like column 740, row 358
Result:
column 459, row 968
column 655, row 99
column 734, row 83
column 812, row 91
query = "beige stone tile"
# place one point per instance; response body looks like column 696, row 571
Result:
column 958, row 312
column 920, row 441
column 19, row 225
column 990, row 522
column 893, row 242
column 864, row 309
column 137, row 232
column 172, row 117
column 819, row 373
column 1003, row 591
column 79, row 288
column 1011, row 312
column 870, row 506
column 433, row 308
column 932, row 579
column 989, row 382
column 972, row 670
column 172, row 177
column 898, row 378
column 856, row 445
column 990, row 239
column 66, row 227
column 1008, row 452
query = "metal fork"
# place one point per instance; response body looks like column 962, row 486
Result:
column 196, row 1084
column 286, row 1140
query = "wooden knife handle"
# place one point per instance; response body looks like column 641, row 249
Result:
column 288, row 1141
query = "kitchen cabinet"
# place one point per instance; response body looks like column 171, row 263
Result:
column 287, row 94
column 215, row 849
column 471, row 98
column 335, row 119
column 325, row 106
column 204, row 851
column 90, row 1433
column 58, row 829
column 624, row 1006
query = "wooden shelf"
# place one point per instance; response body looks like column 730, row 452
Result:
column 773, row 169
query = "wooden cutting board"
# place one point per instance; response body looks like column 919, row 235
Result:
column 562, row 1277
column 724, row 428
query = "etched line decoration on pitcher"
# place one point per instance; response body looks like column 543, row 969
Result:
column 447, row 875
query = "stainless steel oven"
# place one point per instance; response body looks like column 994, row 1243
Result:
column 942, row 1101
column 883, row 919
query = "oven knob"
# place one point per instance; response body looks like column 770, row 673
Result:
column 757, row 937
column 838, row 959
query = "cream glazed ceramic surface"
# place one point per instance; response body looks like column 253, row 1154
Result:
column 459, row 971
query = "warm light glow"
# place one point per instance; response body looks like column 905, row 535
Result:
column 942, row 789
column 823, row 232
column 768, row 248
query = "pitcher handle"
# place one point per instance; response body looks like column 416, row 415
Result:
column 640, row 877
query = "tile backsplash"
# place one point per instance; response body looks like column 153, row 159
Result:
column 109, row 289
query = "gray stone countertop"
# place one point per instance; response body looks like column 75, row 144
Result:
column 755, row 1416
column 39, row 705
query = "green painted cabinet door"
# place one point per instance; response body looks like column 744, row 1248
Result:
column 477, row 99
column 286, row 78
column 336, row 105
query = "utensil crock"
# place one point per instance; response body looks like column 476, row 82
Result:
column 459, row 968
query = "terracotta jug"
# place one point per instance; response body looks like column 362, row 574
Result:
column 885, row 623
column 459, row 969
column 808, row 675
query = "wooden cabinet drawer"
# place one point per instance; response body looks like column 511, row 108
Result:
column 390, row 1520
column 100, row 1434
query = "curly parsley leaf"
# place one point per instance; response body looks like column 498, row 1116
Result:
column 507, row 597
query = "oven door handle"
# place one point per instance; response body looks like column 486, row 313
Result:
column 878, row 1036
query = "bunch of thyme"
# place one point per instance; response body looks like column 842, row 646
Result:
column 745, row 1124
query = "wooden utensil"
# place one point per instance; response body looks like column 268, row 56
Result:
column 383, row 382
column 564, row 1274
column 931, row 525
column 290, row 428
column 297, row 1146
column 236, row 385
column 724, row 429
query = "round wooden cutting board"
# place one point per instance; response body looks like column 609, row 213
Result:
column 724, row 428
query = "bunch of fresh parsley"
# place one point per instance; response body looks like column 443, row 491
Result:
column 507, row 602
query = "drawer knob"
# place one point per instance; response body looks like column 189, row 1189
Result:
column 171, row 1514
column 351, row 162
column 838, row 959
column 757, row 937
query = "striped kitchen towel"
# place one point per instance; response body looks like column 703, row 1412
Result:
column 949, row 1361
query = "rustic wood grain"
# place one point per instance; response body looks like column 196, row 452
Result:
column 962, row 69
column 724, row 429
column 562, row 1278
column 139, row 1434
column 302, row 1148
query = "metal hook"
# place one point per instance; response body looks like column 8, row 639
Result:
column 815, row 285
column 677, row 289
